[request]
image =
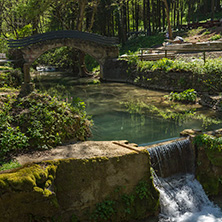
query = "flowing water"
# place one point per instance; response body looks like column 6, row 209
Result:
column 182, row 198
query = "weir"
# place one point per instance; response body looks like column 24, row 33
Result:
column 182, row 198
column 172, row 158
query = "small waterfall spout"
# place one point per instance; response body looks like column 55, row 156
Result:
column 172, row 158
column 182, row 198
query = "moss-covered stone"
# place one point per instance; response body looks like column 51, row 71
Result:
column 24, row 193
column 209, row 163
column 120, row 185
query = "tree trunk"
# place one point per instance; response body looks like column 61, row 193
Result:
column 137, row 15
column 164, row 15
column 144, row 15
column 82, row 6
column 168, row 20
column 93, row 15
column 159, row 15
column 148, row 13
column 212, row 9
column 124, row 23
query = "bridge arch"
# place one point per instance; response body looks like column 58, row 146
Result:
column 99, row 47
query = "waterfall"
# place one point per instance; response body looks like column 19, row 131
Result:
column 182, row 198
column 172, row 158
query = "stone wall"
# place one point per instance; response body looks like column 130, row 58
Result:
column 208, row 160
column 97, row 189
column 122, row 71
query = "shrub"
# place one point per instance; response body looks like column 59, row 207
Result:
column 39, row 121
column 189, row 95
column 215, row 37
column 11, row 78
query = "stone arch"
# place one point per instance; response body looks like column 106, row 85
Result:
column 99, row 47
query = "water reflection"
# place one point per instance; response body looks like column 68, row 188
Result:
column 105, row 103
column 112, row 121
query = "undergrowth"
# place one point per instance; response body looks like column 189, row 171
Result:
column 197, row 66
column 208, row 141
column 39, row 121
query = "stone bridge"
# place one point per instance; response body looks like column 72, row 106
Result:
column 101, row 48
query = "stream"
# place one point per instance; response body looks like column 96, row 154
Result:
column 107, row 103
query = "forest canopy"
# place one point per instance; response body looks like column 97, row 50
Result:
column 120, row 18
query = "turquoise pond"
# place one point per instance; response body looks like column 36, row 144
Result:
column 113, row 121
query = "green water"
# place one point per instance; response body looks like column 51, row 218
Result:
column 112, row 121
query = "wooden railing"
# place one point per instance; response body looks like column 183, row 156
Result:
column 72, row 34
column 171, row 49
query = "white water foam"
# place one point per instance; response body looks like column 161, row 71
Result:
column 182, row 199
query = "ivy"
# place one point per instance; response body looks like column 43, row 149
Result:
column 103, row 211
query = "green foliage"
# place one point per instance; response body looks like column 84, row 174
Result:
column 212, row 66
column 11, row 78
column 39, row 121
column 5, row 68
column 179, row 117
column 208, row 142
column 60, row 57
column 65, row 58
column 103, row 211
column 3, row 45
column 134, row 44
column 10, row 165
column 189, row 95
column 12, row 139
column 142, row 190
column 193, row 32
column 91, row 63
column 215, row 37
column 133, row 58
column 128, row 200
column 207, row 32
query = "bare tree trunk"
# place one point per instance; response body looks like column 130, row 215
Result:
column 82, row 6
column 93, row 15
column 144, row 15
column 168, row 20
column 212, row 9
column 148, row 13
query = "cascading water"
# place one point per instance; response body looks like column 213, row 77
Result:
column 182, row 198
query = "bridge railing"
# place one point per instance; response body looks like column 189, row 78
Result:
column 62, row 35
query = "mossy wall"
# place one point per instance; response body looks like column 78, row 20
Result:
column 98, row 189
column 122, row 71
column 209, row 170
column 209, row 162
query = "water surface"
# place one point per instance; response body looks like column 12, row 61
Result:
column 112, row 121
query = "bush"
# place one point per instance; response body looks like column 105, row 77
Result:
column 189, row 95
column 11, row 78
column 39, row 121
column 215, row 37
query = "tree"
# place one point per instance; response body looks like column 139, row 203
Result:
column 168, row 20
